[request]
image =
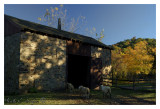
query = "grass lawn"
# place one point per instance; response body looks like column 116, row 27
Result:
column 140, row 83
column 119, row 96
column 146, row 85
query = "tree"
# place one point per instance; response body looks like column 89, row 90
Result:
column 67, row 23
column 101, row 36
column 118, row 65
column 138, row 60
column 133, row 60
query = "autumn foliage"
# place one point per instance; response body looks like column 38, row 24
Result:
column 134, row 58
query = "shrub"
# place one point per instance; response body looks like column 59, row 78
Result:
column 32, row 90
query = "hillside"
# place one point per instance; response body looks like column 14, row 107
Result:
column 133, row 41
column 134, row 57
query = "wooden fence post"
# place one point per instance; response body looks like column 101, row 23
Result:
column 133, row 84
column 116, row 82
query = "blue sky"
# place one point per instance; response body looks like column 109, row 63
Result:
column 120, row 22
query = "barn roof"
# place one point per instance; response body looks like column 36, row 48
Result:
column 34, row 27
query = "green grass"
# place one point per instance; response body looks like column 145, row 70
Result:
column 147, row 85
column 135, row 97
column 54, row 98
column 119, row 96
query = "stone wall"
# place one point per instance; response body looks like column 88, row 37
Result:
column 11, row 62
column 42, row 62
column 105, row 55
column 34, row 60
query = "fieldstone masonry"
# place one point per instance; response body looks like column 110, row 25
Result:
column 11, row 62
column 105, row 55
column 43, row 62
column 34, row 60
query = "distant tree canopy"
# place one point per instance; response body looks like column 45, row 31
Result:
column 134, row 57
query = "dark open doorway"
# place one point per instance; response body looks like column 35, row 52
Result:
column 78, row 70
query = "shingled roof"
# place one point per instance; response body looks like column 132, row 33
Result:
column 34, row 27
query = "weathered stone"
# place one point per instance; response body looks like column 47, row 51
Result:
column 33, row 60
column 43, row 55
column 11, row 61
column 105, row 56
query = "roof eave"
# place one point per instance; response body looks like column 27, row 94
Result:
column 61, row 37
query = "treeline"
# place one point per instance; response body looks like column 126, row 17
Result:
column 134, row 58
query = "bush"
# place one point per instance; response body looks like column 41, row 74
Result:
column 32, row 90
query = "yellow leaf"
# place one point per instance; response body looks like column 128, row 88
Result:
column 39, row 18
column 61, row 5
column 56, row 8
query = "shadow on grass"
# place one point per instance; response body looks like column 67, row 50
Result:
column 119, row 96
column 40, row 97
column 128, row 97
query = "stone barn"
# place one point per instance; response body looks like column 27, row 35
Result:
column 45, row 58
